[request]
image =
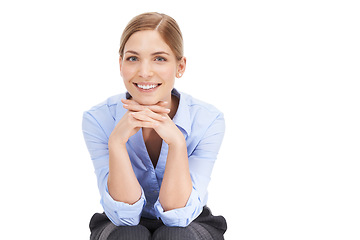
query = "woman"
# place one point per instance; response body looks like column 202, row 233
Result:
column 153, row 148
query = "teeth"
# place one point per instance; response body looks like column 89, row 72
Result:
column 146, row 87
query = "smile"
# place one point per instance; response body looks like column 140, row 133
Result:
column 147, row 86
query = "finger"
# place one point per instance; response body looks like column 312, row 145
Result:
column 153, row 108
column 145, row 124
column 133, row 102
column 129, row 102
column 148, row 116
column 159, row 109
column 149, row 125
column 142, row 124
column 162, row 103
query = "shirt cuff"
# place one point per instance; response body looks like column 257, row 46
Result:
column 120, row 213
column 180, row 217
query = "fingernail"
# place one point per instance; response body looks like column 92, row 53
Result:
column 168, row 110
column 125, row 105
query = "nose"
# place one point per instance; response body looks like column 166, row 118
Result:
column 145, row 70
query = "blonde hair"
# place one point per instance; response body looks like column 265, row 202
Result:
column 166, row 26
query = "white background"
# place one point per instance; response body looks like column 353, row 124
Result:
column 285, row 73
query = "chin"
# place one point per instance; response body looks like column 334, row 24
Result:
column 146, row 100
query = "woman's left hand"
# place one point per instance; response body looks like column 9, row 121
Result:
column 157, row 113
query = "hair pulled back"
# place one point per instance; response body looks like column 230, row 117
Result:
column 164, row 24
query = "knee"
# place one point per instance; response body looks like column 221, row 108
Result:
column 138, row 232
column 180, row 233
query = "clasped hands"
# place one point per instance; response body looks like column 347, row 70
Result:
column 145, row 116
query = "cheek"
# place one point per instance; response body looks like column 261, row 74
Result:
column 167, row 73
column 127, row 72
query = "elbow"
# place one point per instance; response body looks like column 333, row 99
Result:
column 172, row 200
column 122, row 221
column 175, row 216
column 120, row 213
column 169, row 202
column 168, row 206
column 122, row 218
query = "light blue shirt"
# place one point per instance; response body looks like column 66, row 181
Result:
column 203, row 127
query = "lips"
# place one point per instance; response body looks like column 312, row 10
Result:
column 147, row 86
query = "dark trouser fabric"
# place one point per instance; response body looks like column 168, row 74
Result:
column 204, row 227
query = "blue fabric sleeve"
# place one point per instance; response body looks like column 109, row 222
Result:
column 96, row 138
column 180, row 217
column 201, row 163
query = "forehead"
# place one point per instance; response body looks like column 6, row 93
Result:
column 146, row 42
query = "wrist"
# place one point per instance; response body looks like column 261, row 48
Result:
column 178, row 141
column 115, row 143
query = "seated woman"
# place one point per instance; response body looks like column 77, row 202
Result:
column 153, row 148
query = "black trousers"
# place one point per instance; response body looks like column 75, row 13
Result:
column 204, row 227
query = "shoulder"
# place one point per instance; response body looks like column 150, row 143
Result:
column 199, row 108
column 201, row 121
column 109, row 103
column 103, row 115
column 199, row 117
column 107, row 107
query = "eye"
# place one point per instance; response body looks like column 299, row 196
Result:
column 132, row 59
column 160, row 59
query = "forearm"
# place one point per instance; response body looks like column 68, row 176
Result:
column 122, row 183
column 176, row 186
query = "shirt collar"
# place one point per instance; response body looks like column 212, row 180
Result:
column 182, row 117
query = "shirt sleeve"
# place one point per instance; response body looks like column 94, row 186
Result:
column 201, row 163
column 96, row 138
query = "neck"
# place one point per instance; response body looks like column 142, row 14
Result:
column 173, row 106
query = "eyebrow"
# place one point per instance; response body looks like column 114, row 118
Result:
column 161, row 52
column 155, row 53
column 133, row 52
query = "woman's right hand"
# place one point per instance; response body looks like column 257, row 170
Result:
column 128, row 125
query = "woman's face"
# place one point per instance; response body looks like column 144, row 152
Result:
column 149, row 68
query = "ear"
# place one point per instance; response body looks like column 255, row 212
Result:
column 120, row 64
column 181, row 67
